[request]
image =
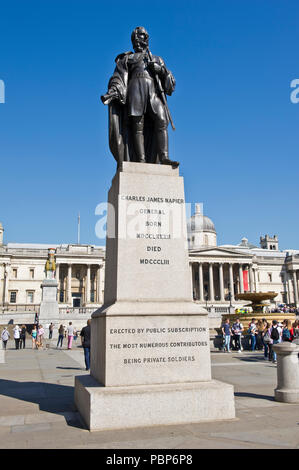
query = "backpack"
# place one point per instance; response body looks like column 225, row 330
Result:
column 286, row 335
column 267, row 337
column 274, row 334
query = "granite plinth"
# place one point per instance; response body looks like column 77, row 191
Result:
column 107, row 408
column 49, row 309
column 150, row 353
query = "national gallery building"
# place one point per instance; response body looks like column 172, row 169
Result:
column 219, row 273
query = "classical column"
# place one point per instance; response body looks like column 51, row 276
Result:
column 200, row 280
column 295, row 287
column 69, row 284
column 87, row 285
column 231, row 282
column 99, row 285
column 57, row 272
column 289, row 282
column 221, row 282
column 211, row 283
column 8, row 269
column 255, row 280
column 5, row 284
column 251, row 278
column 191, row 276
column 241, row 279
column 58, row 281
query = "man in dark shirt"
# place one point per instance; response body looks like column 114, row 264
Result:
column 85, row 341
column 226, row 331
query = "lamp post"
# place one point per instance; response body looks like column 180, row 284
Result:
column 4, row 286
column 230, row 299
column 206, row 299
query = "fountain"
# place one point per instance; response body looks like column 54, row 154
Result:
column 257, row 305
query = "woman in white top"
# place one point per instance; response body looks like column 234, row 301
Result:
column 5, row 336
column 40, row 335
column 70, row 335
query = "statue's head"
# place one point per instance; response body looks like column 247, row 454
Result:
column 140, row 39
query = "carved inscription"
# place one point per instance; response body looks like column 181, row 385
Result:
column 162, row 345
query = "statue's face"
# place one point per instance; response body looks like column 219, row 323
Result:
column 140, row 40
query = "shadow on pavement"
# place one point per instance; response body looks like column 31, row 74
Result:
column 252, row 358
column 253, row 395
column 70, row 368
column 52, row 398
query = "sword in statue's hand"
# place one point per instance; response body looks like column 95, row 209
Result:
column 162, row 93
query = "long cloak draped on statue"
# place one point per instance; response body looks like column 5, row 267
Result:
column 120, row 131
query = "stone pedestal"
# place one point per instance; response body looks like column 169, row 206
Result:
column 150, row 355
column 49, row 310
column 287, row 389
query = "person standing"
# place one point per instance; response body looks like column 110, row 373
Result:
column 34, row 336
column 226, row 331
column 237, row 330
column 85, row 341
column 253, row 332
column 5, row 337
column 286, row 331
column 16, row 335
column 40, row 335
column 23, row 337
column 60, row 335
column 267, row 341
column 275, row 336
column 70, row 335
column 51, row 328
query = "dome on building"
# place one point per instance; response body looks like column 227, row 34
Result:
column 199, row 222
column 245, row 243
column 201, row 230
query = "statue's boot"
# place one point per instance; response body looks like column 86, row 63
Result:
column 167, row 161
column 139, row 140
column 162, row 144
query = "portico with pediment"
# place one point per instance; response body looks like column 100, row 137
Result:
column 218, row 274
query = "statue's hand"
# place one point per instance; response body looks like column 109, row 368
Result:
column 155, row 68
column 111, row 95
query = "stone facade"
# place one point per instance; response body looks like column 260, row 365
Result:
column 79, row 274
column 218, row 272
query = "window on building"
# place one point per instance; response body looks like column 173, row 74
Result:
column 15, row 273
column 13, row 297
column 270, row 277
column 30, row 297
column 61, row 296
column 92, row 296
column 31, row 273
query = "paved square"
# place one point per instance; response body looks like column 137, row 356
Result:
column 37, row 410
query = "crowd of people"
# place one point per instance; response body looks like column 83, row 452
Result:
column 263, row 335
column 283, row 309
column 37, row 334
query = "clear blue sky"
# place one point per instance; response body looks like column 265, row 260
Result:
column 237, row 130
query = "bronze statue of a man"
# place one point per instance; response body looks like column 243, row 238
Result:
column 138, row 111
